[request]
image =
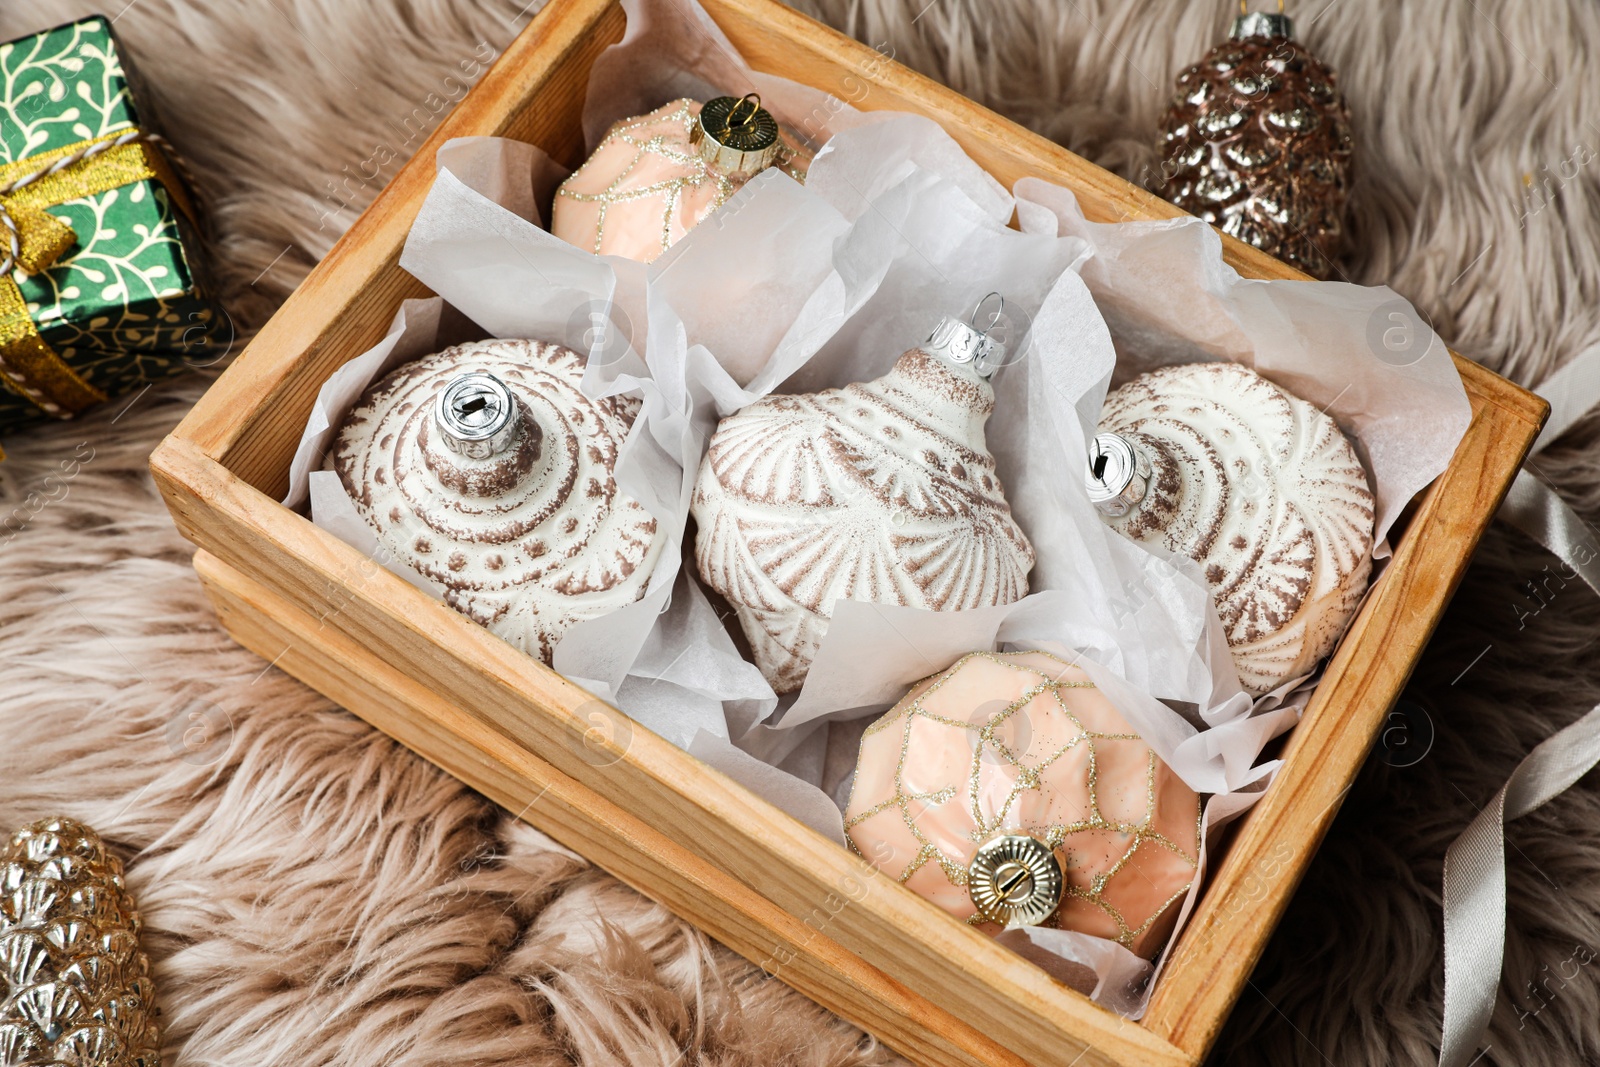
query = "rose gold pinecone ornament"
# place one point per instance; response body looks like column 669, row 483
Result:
column 1257, row 142
column 76, row 985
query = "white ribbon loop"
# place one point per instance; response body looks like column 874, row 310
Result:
column 1475, row 866
column 1475, row 884
column 1571, row 391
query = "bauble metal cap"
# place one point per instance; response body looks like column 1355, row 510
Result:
column 1119, row 475
column 963, row 344
column 476, row 415
column 736, row 135
column 1262, row 24
column 1015, row 880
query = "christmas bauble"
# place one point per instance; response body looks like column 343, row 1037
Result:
column 881, row 491
column 78, row 984
column 1265, row 492
column 1010, row 792
column 655, row 177
column 486, row 468
column 1257, row 142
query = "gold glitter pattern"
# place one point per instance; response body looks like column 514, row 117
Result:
column 79, row 983
column 1038, row 744
column 664, row 133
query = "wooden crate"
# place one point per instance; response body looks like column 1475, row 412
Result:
column 754, row 878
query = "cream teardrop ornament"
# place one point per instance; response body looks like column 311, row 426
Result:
column 1264, row 491
column 881, row 491
column 487, row 469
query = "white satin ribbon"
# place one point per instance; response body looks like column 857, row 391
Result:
column 1475, row 866
column 1571, row 391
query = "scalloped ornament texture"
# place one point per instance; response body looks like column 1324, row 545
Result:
column 123, row 306
column 880, row 491
column 527, row 543
column 1266, row 493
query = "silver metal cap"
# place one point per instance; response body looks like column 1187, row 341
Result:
column 963, row 344
column 736, row 134
column 1262, row 24
column 1119, row 475
column 1015, row 880
column 476, row 415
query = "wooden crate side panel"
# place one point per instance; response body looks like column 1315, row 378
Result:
column 947, row 963
column 1248, row 894
column 516, row 779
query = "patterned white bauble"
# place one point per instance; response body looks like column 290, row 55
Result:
column 881, row 491
column 522, row 524
column 1260, row 488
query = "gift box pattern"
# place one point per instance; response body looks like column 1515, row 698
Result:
column 121, row 306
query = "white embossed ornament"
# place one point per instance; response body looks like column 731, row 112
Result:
column 1264, row 491
column 881, row 491
column 485, row 468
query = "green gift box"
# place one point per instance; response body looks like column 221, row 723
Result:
column 99, row 287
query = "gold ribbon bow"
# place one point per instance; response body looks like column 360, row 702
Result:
column 32, row 239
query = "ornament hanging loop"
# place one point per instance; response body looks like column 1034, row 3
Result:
column 751, row 101
column 966, row 344
column 1000, row 309
column 988, row 358
column 737, row 136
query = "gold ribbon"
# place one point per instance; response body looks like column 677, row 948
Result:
column 27, row 364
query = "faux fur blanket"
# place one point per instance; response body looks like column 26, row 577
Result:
column 317, row 895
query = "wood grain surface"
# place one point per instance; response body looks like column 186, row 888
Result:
column 578, row 817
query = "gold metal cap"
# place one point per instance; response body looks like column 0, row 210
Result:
column 736, row 134
column 1015, row 880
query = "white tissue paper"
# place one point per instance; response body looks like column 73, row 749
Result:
column 796, row 288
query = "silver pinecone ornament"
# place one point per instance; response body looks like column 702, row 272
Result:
column 1257, row 142
column 77, row 986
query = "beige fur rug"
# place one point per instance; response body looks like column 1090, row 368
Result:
column 316, row 895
